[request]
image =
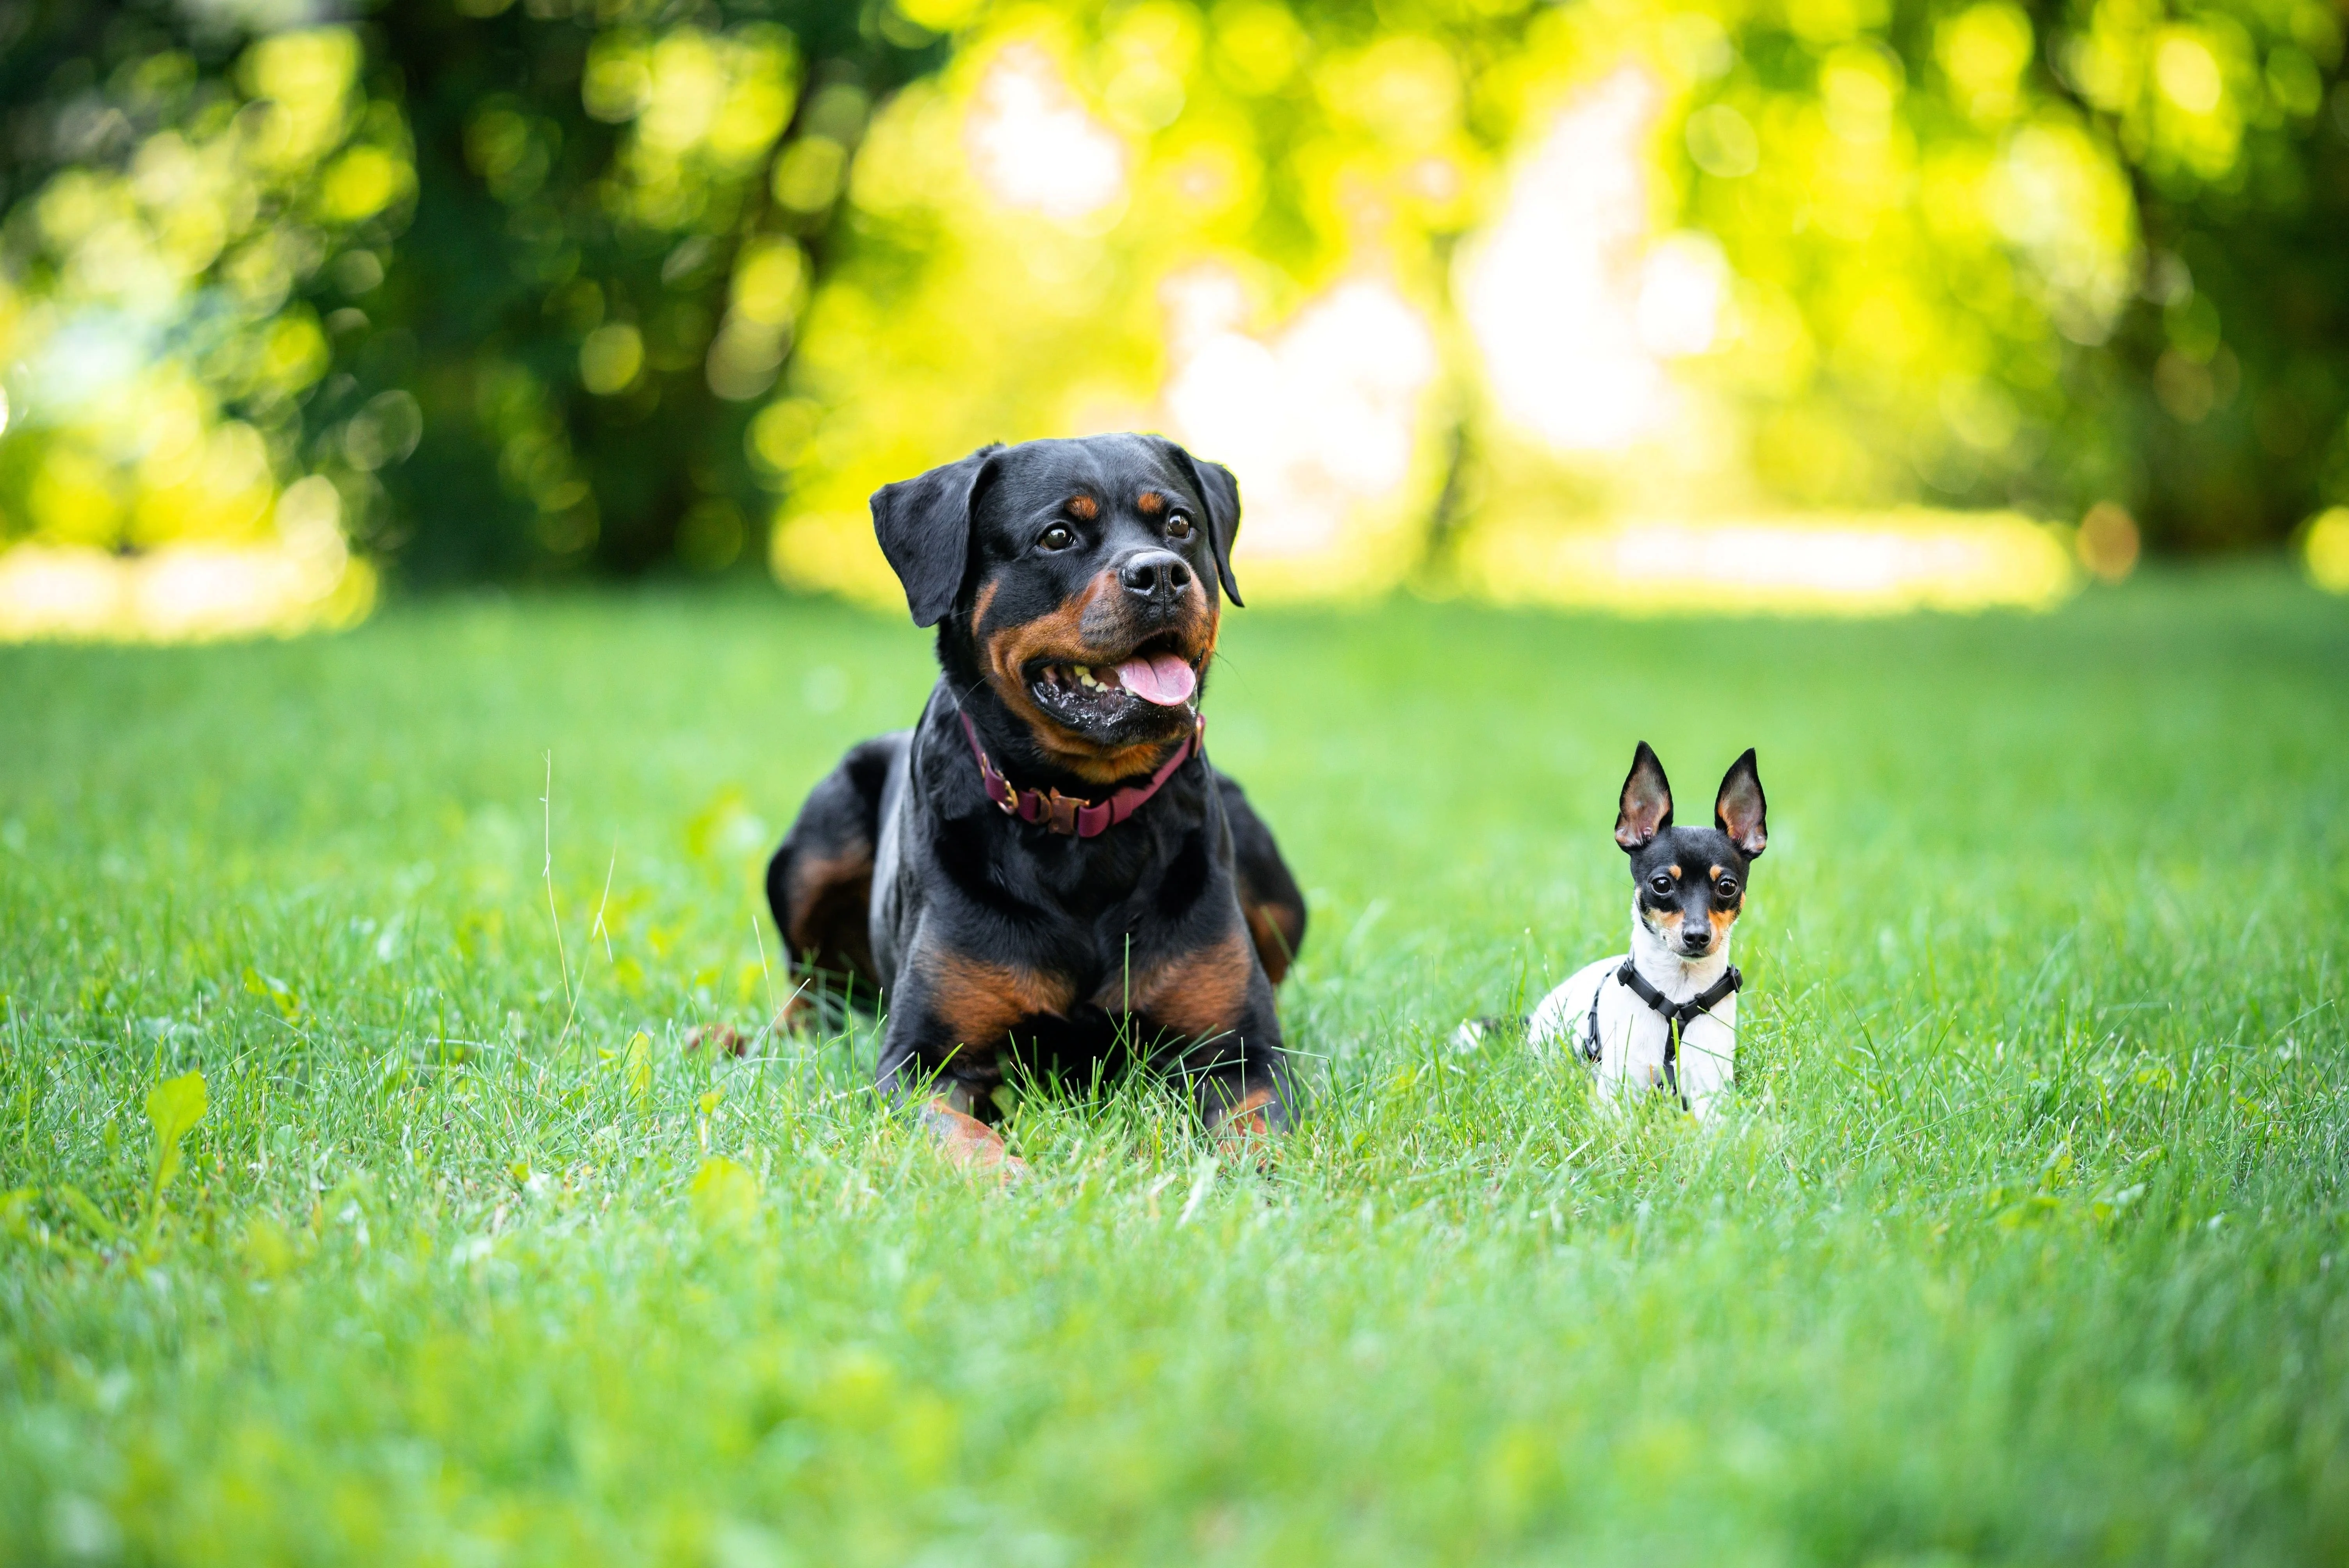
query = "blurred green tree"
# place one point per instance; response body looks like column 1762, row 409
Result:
column 2229, row 378
column 619, row 208
column 178, row 198
column 511, row 276
column 2046, row 254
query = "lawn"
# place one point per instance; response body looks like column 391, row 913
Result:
column 2022, row 1241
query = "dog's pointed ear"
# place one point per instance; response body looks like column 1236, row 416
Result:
column 1647, row 807
column 1740, row 809
column 1221, row 493
column 924, row 525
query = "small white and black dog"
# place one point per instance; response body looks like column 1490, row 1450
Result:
column 1665, row 1016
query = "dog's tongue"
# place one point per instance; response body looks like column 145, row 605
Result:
column 1162, row 678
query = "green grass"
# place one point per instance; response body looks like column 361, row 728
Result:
column 2023, row 1241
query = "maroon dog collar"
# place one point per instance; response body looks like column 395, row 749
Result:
column 1065, row 813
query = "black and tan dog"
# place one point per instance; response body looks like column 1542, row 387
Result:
column 1045, row 870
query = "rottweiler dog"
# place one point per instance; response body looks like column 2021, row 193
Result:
column 1045, row 871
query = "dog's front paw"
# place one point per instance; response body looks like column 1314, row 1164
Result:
column 1248, row 1130
column 968, row 1143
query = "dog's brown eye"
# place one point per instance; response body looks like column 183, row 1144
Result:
column 1660, row 884
column 1060, row 536
column 1179, row 527
column 1726, row 887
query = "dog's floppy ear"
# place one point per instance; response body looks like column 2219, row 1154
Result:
column 1647, row 808
column 1740, row 810
column 1221, row 491
column 924, row 524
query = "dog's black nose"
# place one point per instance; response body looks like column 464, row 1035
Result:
column 1158, row 576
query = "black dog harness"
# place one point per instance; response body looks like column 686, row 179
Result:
column 1676, row 1016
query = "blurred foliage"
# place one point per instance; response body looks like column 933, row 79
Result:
column 1967, row 254
column 176, row 216
column 2055, row 254
column 510, row 276
column 556, row 284
column 1210, row 222
column 620, row 207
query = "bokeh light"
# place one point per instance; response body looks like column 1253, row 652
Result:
column 152, row 478
column 1324, row 421
column 1032, row 144
column 1819, row 563
column 2108, row 543
column 2325, row 550
column 300, row 578
column 1572, row 315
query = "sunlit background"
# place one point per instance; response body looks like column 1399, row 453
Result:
column 1819, row 305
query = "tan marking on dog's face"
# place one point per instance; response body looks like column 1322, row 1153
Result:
column 1076, row 633
column 1196, row 993
column 1083, row 507
column 978, row 1001
column 1150, row 503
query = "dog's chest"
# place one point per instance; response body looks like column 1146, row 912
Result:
column 1636, row 1047
column 1630, row 1045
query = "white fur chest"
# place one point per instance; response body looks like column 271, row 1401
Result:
column 1633, row 1038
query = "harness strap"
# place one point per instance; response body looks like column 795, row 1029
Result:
column 1677, row 1016
column 1068, row 814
